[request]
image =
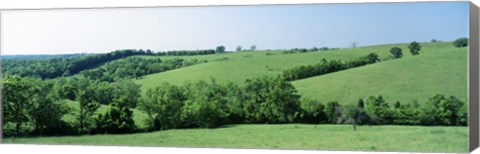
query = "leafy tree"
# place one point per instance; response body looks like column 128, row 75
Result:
column 270, row 100
column 163, row 105
column 67, row 91
column 360, row 103
column 354, row 44
column 396, row 52
column 16, row 101
column 239, row 48
column 355, row 116
column 312, row 111
column 205, row 106
column 461, row 42
column 379, row 110
column 333, row 112
column 397, row 105
column 414, row 48
column 441, row 110
column 118, row 119
column 407, row 114
column 253, row 48
column 87, row 108
column 220, row 49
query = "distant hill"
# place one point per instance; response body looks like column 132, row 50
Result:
column 41, row 57
column 439, row 71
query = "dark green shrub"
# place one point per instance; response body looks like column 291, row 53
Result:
column 461, row 42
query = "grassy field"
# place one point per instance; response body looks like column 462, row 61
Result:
column 288, row 136
column 239, row 66
column 441, row 68
column 407, row 79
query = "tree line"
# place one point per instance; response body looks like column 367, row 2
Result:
column 58, row 67
column 33, row 106
column 325, row 67
column 134, row 67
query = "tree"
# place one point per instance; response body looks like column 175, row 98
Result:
column 441, row 110
column 205, row 105
column 379, row 110
column 163, row 106
column 333, row 112
column 220, row 49
column 372, row 58
column 87, row 108
column 312, row 111
column 435, row 41
column 414, row 48
column 354, row 44
column 16, row 100
column 397, row 105
column 270, row 100
column 239, row 48
column 360, row 103
column 253, row 48
column 118, row 119
column 355, row 116
column 396, row 52
column 460, row 42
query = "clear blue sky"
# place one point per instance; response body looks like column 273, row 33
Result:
column 267, row 27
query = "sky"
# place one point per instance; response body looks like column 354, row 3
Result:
column 266, row 26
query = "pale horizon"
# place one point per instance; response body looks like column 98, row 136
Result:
column 43, row 32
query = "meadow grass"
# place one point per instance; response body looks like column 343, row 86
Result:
column 285, row 136
column 240, row 66
column 406, row 80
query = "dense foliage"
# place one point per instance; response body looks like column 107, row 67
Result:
column 461, row 42
column 325, row 67
column 134, row 67
column 52, row 68
column 414, row 48
column 396, row 52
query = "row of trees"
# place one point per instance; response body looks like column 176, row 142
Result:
column 325, row 67
column 36, row 106
column 134, row 67
column 52, row 68
column 274, row 100
column 57, row 67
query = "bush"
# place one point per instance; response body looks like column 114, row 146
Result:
column 117, row 120
column 163, row 105
column 312, row 111
column 205, row 106
column 379, row 110
column 333, row 112
column 270, row 100
column 441, row 110
column 461, row 42
column 414, row 48
column 396, row 52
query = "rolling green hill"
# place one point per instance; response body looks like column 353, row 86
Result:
column 439, row 69
column 407, row 79
column 239, row 66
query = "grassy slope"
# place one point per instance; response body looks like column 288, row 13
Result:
column 421, row 77
column 290, row 136
column 244, row 65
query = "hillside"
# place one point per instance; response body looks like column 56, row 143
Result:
column 239, row 66
column 407, row 79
